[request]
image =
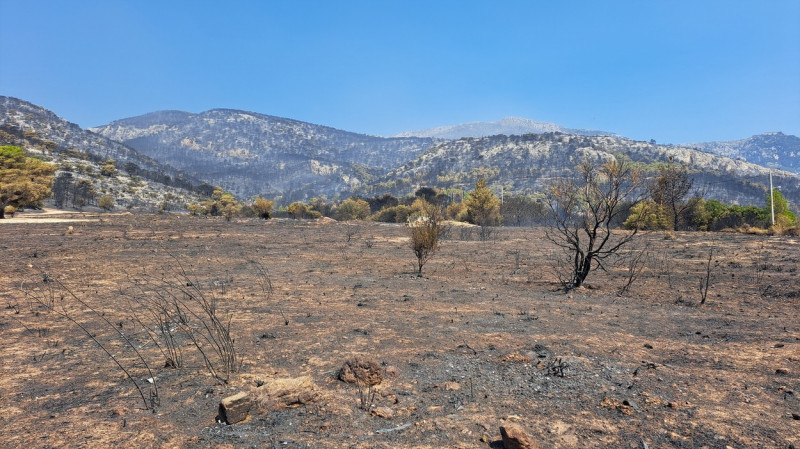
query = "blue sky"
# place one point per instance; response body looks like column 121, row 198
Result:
column 675, row 71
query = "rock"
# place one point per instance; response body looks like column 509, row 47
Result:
column 796, row 416
column 234, row 409
column 383, row 412
column 648, row 346
column 452, row 386
column 516, row 357
column 623, row 407
column 275, row 394
column 514, row 437
column 361, row 371
column 781, row 371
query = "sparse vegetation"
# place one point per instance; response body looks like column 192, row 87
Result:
column 313, row 309
column 298, row 210
column 425, row 229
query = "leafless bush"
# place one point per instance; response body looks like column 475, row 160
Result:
column 53, row 295
column 516, row 255
column 351, row 232
column 366, row 396
column 706, row 279
column 635, row 264
column 666, row 268
column 465, row 233
column 486, row 233
column 177, row 302
column 584, row 212
column 556, row 367
column 265, row 285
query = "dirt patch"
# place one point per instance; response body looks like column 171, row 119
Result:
column 483, row 339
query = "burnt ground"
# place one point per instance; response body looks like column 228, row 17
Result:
column 484, row 337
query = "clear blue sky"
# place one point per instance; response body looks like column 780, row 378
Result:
column 676, row 71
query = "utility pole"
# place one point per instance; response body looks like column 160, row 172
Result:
column 771, row 199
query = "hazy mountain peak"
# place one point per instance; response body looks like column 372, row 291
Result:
column 510, row 126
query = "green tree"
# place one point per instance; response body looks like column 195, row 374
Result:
column 109, row 168
column 483, row 206
column 783, row 216
column 106, row 202
column 297, row 210
column 646, row 215
column 263, row 207
column 457, row 211
column 321, row 205
column 82, row 193
column 221, row 203
column 669, row 190
column 392, row 214
column 352, row 209
column 24, row 181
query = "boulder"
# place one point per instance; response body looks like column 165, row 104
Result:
column 234, row 409
column 275, row 394
column 514, row 437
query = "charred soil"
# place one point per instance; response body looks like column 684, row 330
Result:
column 485, row 337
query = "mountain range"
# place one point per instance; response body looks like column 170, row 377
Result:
column 256, row 154
column 528, row 163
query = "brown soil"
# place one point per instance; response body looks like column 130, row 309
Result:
column 484, row 338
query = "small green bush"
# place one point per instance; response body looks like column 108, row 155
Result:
column 393, row 214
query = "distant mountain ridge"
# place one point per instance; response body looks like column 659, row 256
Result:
column 510, row 126
column 250, row 154
column 528, row 163
column 773, row 149
column 289, row 160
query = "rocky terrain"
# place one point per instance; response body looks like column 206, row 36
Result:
column 486, row 338
column 529, row 163
column 138, row 183
column 249, row 154
column 775, row 150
